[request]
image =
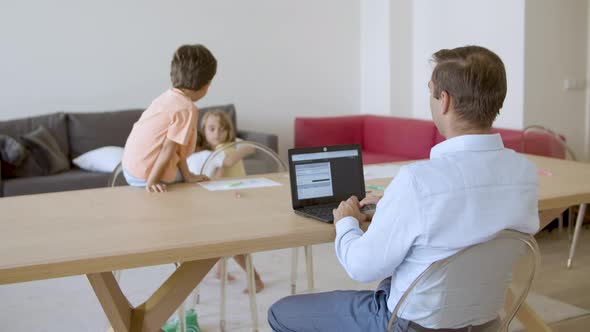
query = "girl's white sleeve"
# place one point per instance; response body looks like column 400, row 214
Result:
column 196, row 161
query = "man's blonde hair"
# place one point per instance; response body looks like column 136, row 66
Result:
column 475, row 78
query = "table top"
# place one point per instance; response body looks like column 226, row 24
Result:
column 88, row 231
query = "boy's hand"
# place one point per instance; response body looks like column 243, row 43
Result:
column 196, row 178
column 155, row 187
column 348, row 208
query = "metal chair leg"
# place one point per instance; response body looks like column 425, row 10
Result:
column 197, row 295
column 570, row 224
column 294, row 255
column 223, row 272
column 181, row 318
column 309, row 266
column 579, row 222
column 252, row 292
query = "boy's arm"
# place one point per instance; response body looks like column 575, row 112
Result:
column 187, row 175
column 153, row 180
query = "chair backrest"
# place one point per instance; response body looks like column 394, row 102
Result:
column 484, row 283
column 117, row 179
column 257, row 159
column 542, row 141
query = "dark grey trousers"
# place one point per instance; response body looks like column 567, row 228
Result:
column 339, row 311
column 348, row 311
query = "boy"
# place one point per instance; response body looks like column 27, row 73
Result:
column 165, row 134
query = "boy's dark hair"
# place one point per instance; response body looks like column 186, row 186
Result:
column 192, row 67
column 476, row 80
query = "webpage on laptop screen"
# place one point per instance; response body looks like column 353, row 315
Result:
column 325, row 174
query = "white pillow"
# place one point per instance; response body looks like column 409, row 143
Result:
column 103, row 159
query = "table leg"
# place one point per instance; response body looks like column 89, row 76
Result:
column 153, row 313
column 547, row 216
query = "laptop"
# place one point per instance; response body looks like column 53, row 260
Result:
column 322, row 177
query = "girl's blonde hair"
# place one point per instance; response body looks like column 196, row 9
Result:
column 224, row 121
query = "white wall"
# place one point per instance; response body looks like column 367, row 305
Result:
column 401, row 32
column 497, row 25
column 556, row 50
column 587, row 120
column 277, row 59
column 375, row 57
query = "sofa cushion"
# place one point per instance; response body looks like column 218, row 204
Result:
column 70, row 180
column 378, row 158
column 56, row 123
column 12, row 151
column 409, row 138
column 45, row 151
column 511, row 138
column 545, row 144
column 329, row 131
column 89, row 131
column 438, row 138
column 105, row 159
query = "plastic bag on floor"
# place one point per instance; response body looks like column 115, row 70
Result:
column 192, row 324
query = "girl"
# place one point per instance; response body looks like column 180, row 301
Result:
column 216, row 133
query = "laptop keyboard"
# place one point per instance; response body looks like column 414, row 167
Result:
column 321, row 211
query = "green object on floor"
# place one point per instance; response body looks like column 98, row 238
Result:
column 192, row 323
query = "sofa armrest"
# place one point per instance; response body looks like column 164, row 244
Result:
column 270, row 140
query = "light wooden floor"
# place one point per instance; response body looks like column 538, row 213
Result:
column 570, row 286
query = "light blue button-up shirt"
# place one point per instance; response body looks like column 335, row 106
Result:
column 471, row 189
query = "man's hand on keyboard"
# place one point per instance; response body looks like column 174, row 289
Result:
column 348, row 208
column 368, row 206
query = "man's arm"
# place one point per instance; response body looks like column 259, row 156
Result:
column 396, row 224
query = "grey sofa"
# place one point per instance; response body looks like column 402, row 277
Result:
column 77, row 133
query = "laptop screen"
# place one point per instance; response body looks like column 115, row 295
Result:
column 325, row 174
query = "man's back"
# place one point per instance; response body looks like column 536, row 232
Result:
column 469, row 191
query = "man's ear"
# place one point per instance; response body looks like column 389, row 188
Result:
column 445, row 100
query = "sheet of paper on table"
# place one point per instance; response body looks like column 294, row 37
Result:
column 380, row 171
column 238, row 184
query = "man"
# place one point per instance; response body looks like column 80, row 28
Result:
column 470, row 190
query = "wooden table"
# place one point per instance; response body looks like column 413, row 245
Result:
column 96, row 231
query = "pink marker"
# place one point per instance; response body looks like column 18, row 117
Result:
column 544, row 172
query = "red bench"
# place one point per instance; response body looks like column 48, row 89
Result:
column 387, row 138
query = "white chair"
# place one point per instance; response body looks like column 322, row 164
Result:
column 542, row 141
column 485, row 283
column 116, row 179
column 254, row 159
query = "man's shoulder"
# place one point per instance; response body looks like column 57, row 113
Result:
column 439, row 175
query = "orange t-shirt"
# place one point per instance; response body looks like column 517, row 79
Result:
column 172, row 115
